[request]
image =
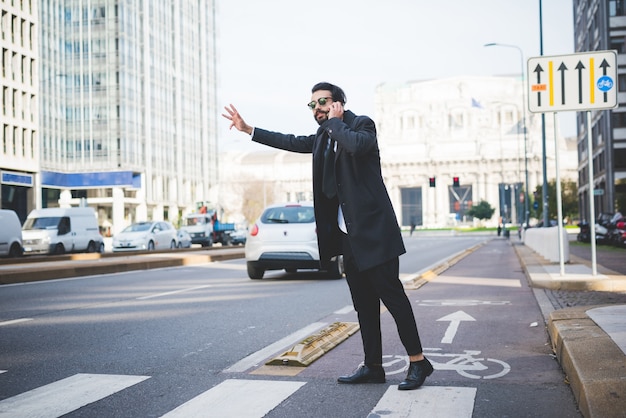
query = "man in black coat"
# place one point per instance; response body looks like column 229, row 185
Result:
column 354, row 217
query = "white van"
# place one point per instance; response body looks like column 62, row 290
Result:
column 61, row 230
column 200, row 228
column 10, row 234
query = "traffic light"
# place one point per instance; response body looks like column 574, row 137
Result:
column 431, row 181
column 455, row 182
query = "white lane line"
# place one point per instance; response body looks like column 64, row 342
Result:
column 257, row 357
column 158, row 295
column 15, row 321
column 427, row 401
column 478, row 281
column 344, row 310
column 237, row 398
column 66, row 395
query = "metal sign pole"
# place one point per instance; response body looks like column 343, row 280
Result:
column 559, row 199
column 592, row 209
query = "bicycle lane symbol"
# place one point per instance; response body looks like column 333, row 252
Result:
column 465, row 364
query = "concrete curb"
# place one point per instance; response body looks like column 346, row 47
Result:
column 109, row 265
column 594, row 364
column 535, row 268
column 420, row 279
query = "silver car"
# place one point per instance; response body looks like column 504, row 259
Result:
column 184, row 239
column 149, row 235
column 284, row 237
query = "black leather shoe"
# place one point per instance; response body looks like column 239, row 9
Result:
column 417, row 374
column 365, row 374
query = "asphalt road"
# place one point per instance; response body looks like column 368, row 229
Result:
column 192, row 341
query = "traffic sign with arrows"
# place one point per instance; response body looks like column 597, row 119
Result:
column 575, row 82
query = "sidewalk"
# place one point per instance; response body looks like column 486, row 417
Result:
column 586, row 319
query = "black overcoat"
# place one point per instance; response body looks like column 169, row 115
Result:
column 371, row 222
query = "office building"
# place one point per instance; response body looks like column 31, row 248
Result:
column 19, row 148
column 127, row 107
column 601, row 25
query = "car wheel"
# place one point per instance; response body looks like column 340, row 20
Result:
column 254, row 272
column 59, row 249
column 151, row 246
column 15, row 251
column 336, row 268
column 172, row 245
column 101, row 248
column 91, row 248
column 180, row 244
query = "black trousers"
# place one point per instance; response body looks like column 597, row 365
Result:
column 368, row 288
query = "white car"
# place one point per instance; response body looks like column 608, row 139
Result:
column 150, row 235
column 284, row 237
column 184, row 239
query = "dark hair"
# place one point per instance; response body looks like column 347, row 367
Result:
column 335, row 91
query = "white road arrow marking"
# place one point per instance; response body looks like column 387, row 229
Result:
column 455, row 319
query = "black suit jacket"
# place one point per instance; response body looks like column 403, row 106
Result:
column 372, row 226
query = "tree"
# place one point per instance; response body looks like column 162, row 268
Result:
column 482, row 210
column 569, row 196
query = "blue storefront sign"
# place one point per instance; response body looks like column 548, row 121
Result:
column 16, row 179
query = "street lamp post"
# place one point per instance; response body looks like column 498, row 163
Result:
column 521, row 54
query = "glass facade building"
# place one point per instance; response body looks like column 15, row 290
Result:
column 601, row 25
column 128, row 107
column 19, row 148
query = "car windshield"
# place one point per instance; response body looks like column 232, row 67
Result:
column 289, row 215
column 42, row 223
column 144, row 226
column 194, row 221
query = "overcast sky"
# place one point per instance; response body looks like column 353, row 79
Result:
column 271, row 52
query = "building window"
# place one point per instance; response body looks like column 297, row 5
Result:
column 618, row 43
column 619, row 119
column 456, row 120
column 621, row 81
column 619, row 158
column 411, row 206
column 617, row 7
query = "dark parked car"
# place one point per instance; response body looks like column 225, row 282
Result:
column 237, row 237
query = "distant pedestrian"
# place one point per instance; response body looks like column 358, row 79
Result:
column 354, row 217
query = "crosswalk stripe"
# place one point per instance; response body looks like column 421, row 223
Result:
column 427, row 401
column 66, row 395
column 237, row 398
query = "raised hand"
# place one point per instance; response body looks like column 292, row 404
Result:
column 236, row 120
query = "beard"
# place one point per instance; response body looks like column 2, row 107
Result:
column 320, row 117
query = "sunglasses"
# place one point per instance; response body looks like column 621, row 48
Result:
column 322, row 101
